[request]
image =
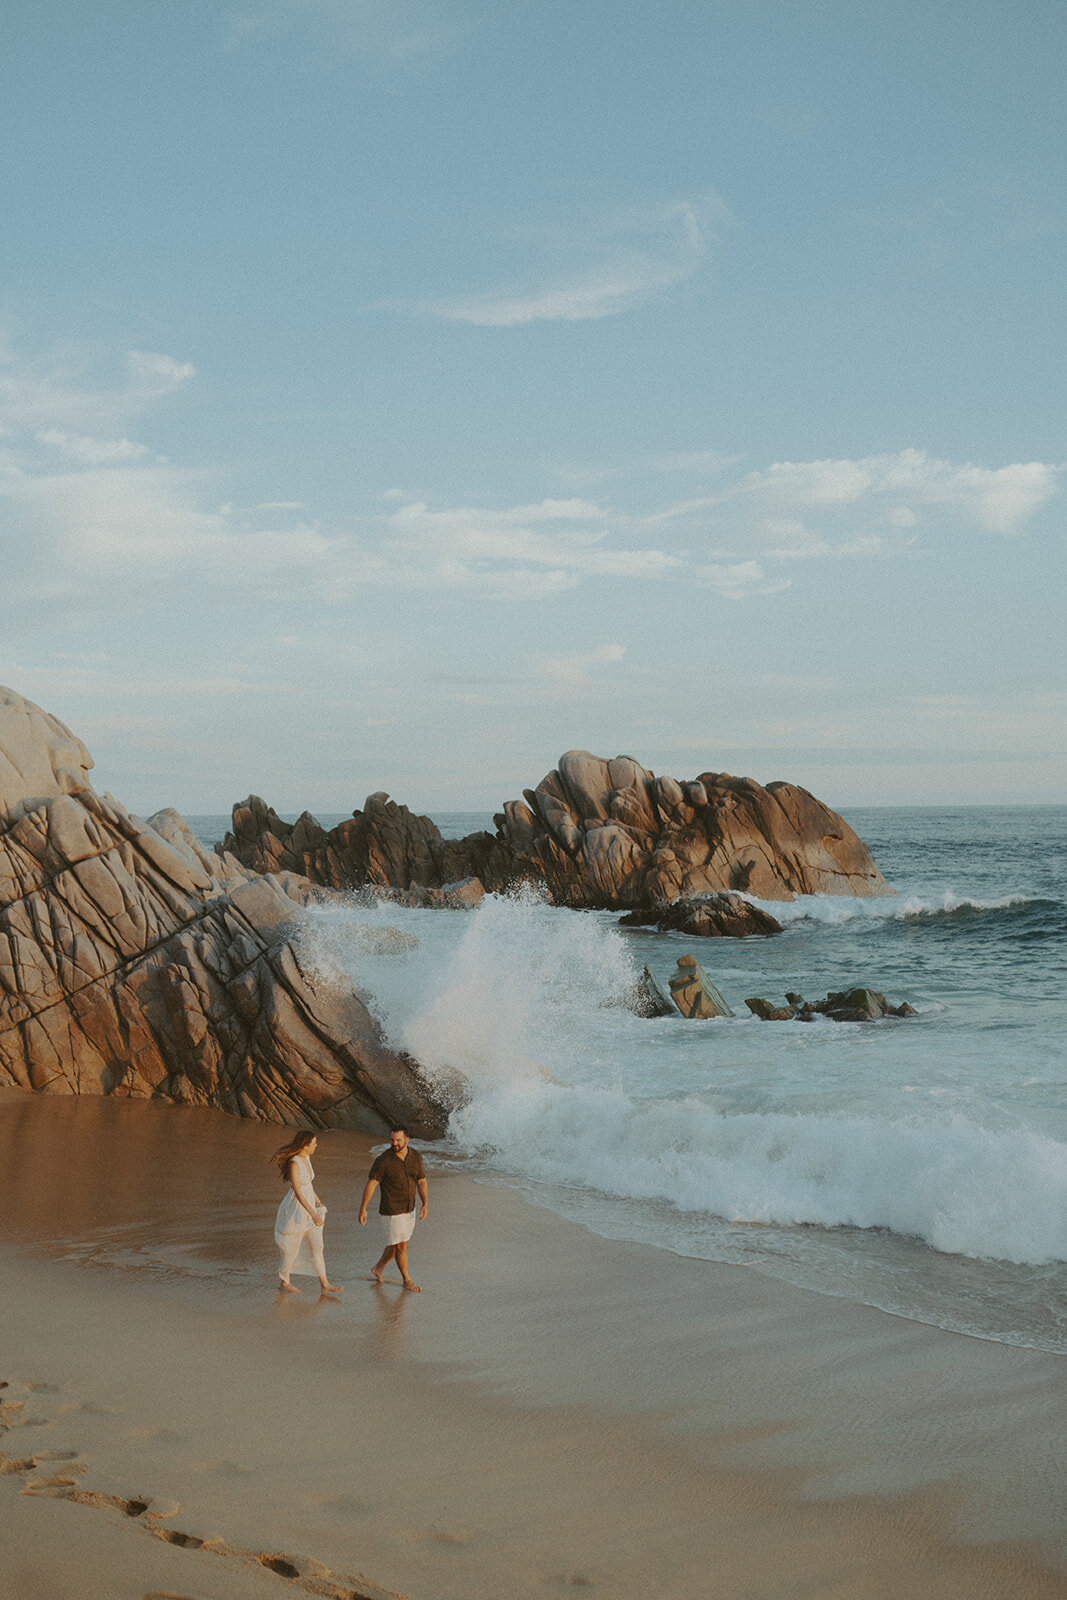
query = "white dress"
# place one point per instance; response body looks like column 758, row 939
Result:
column 296, row 1236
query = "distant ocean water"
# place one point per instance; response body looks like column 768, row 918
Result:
column 919, row 1165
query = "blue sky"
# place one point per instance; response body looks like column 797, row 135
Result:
column 395, row 395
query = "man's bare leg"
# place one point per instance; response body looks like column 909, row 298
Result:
column 402, row 1263
column 383, row 1261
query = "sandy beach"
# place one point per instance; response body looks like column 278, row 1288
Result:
column 556, row 1412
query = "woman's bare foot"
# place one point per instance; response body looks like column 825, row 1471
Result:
column 376, row 1276
column 287, row 1287
column 411, row 1287
column 332, row 1288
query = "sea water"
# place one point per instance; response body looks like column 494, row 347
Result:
column 918, row 1165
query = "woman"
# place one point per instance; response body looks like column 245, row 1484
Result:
column 298, row 1225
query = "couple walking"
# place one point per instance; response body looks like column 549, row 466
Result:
column 399, row 1173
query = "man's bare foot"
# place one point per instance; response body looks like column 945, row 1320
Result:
column 332, row 1288
column 289, row 1288
column 412, row 1288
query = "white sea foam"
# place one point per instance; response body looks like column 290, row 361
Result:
column 839, row 909
column 523, row 1000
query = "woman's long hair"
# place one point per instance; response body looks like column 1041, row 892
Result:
column 299, row 1142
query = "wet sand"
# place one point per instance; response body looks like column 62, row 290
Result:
column 555, row 1413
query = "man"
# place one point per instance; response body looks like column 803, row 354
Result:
column 400, row 1173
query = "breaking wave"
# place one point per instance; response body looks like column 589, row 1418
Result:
column 566, row 1088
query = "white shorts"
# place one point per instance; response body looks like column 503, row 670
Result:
column 398, row 1230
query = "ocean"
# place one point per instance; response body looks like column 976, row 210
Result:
column 918, row 1165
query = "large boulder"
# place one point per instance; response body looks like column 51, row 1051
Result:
column 610, row 834
column 594, row 833
column 134, row 962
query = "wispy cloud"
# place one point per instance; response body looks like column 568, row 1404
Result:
column 738, row 580
column 571, row 676
column 84, row 512
column 615, row 264
column 74, row 388
column 868, row 506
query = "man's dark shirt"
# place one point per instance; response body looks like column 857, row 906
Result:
column 398, row 1179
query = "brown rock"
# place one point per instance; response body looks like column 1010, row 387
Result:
column 708, row 916
column 134, row 962
column 596, row 833
column 694, row 993
column 610, row 834
column 767, row 1013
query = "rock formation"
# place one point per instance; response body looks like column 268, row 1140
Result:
column 694, row 993
column 846, row 1005
column 707, row 916
column 383, row 846
column 611, row 834
column 595, row 833
column 133, row 962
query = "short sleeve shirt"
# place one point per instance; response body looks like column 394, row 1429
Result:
column 398, row 1179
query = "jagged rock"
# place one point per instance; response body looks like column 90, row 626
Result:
column 597, row 833
column 848, row 1005
column 133, row 962
column 649, row 998
column 707, row 916
column 694, row 993
column 768, row 1013
column 853, row 1005
column 384, row 846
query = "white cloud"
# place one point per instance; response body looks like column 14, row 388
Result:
column 64, row 389
column 1000, row 500
column 738, row 580
column 87, row 451
column 634, row 257
column 798, row 510
column 153, row 375
column 562, row 534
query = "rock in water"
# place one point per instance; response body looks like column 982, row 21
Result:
column 133, row 962
column 650, row 1000
column 694, row 993
column 767, row 1013
column 854, row 1005
column 707, row 916
column 846, row 1005
column 596, row 833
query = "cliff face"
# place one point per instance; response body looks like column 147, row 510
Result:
column 596, row 833
column 133, row 962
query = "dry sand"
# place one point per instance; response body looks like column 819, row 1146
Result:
column 556, row 1412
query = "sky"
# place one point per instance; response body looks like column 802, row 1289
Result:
column 395, row 394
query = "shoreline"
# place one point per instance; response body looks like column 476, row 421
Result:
column 557, row 1410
